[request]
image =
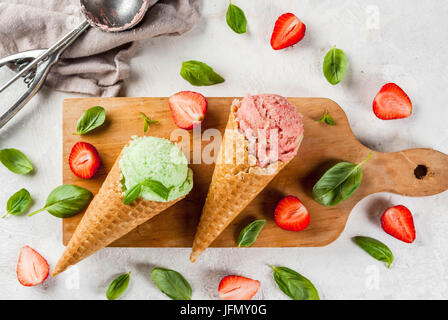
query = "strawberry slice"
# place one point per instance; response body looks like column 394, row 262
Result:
column 32, row 268
column 290, row 214
column 288, row 30
column 399, row 223
column 238, row 288
column 392, row 103
column 188, row 109
column 84, row 160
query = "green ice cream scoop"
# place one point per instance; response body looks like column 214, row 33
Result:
column 156, row 159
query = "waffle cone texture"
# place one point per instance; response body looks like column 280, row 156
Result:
column 107, row 219
column 236, row 181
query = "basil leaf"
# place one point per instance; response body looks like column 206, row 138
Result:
column 91, row 119
column 338, row 183
column 326, row 118
column 147, row 121
column 375, row 248
column 66, row 201
column 158, row 188
column 250, row 233
column 15, row 161
column 18, row 203
column 199, row 74
column 155, row 186
column 132, row 194
column 118, row 286
column 335, row 64
column 236, row 19
column 294, row 285
column 171, row 283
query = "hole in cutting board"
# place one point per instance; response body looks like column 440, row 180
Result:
column 420, row 171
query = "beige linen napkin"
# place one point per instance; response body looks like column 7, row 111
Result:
column 98, row 62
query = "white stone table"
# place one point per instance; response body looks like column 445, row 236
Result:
column 402, row 41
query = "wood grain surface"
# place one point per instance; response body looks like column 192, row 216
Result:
column 322, row 147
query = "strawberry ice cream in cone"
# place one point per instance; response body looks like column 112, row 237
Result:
column 146, row 163
column 263, row 134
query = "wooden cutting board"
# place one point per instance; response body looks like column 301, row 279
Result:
column 322, row 147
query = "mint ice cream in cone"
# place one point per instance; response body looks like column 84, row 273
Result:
column 149, row 164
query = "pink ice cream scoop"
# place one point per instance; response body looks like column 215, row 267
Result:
column 272, row 126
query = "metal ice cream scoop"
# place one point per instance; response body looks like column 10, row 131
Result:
column 34, row 65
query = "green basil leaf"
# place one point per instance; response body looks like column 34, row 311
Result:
column 91, row 119
column 155, row 186
column 118, row 286
column 294, row 285
column 335, row 64
column 338, row 183
column 199, row 74
column 326, row 118
column 15, row 161
column 18, row 203
column 236, row 19
column 171, row 283
column 158, row 188
column 132, row 194
column 147, row 122
column 66, row 201
column 250, row 233
column 375, row 248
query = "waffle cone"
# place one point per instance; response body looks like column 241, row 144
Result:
column 236, row 181
column 107, row 219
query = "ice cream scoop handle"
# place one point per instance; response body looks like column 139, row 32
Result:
column 41, row 64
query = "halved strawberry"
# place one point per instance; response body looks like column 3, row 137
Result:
column 399, row 223
column 237, row 288
column 290, row 214
column 392, row 103
column 84, row 160
column 32, row 268
column 288, row 30
column 188, row 109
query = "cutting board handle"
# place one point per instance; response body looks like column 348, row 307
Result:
column 413, row 172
